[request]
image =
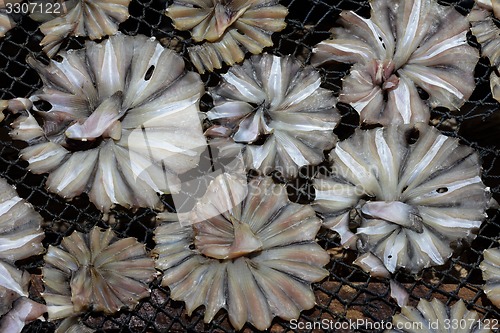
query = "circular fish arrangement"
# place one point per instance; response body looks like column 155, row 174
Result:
column 402, row 46
column 81, row 18
column 227, row 29
column 491, row 274
column 251, row 251
column 411, row 191
column 117, row 120
column 482, row 19
column 274, row 110
column 95, row 271
column 20, row 238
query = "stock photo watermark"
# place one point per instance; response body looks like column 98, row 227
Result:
column 351, row 325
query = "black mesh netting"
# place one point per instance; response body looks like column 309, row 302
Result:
column 348, row 293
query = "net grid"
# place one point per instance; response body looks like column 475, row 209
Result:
column 342, row 296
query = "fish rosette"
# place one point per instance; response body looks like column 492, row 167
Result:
column 95, row 271
column 404, row 44
column 482, row 19
column 274, row 110
column 407, row 195
column 20, row 238
column 226, row 29
column 117, row 120
column 491, row 274
column 81, row 18
column 253, row 254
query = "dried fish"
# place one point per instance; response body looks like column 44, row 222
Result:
column 399, row 293
column 6, row 21
column 117, row 120
column 274, row 110
column 404, row 44
column 95, row 271
column 491, row 274
column 255, row 258
column 23, row 311
column 435, row 316
column 226, row 29
column 487, row 34
column 485, row 30
column 14, row 105
column 413, row 200
column 81, row 18
column 2, row 107
column 20, row 231
column 495, row 86
column 370, row 263
column 73, row 325
column 20, row 238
